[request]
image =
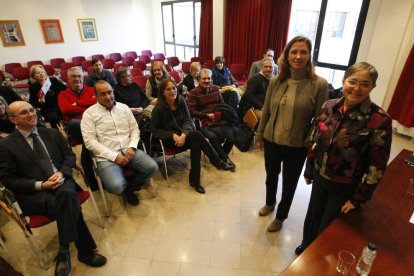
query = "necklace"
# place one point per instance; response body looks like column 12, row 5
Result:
column 284, row 96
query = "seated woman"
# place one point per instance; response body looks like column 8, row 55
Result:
column 158, row 73
column 5, row 125
column 44, row 92
column 227, row 83
column 128, row 92
column 190, row 81
column 171, row 122
column 203, row 102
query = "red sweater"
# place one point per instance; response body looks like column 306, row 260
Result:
column 83, row 100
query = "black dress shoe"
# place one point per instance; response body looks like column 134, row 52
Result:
column 231, row 164
column 130, row 197
column 93, row 259
column 224, row 166
column 63, row 266
column 200, row 189
column 299, row 249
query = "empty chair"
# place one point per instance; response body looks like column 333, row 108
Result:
column 56, row 62
column 173, row 61
column 210, row 64
column 119, row 65
column 185, row 66
column 145, row 58
column 159, row 56
column 115, row 56
column 50, row 71
column 132, row 54
column 141, row 81
column 176, row 76
column 108, row 63
column 86, row 64
column 78, row 60
column 34, row 62
column 198, row 59
column 146, row 52
column 67, row 65
column 10, row 66
column 19, row 74
column 98, row 56
column 136, row 72
column 238, row 70
column 128, row 61
column 139, row 64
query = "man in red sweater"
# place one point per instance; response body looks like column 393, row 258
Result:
column 72, row 103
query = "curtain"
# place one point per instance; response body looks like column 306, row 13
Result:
column 205, row 42
column 251, row 26
column 402, row 103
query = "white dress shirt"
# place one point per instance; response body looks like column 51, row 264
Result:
column 109, row 132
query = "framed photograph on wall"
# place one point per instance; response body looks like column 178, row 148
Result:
column 11, row 34
column 87, row 29
column 51, row 30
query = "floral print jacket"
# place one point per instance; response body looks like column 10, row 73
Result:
column 351, row 147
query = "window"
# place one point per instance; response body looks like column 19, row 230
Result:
column 181, row 24
column 336, row 35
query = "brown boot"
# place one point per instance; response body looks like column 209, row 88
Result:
column 267, row 209
column 275, row 225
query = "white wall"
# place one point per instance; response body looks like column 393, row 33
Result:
column 122, row 25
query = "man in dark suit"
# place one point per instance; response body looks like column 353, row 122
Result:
column 36, row 164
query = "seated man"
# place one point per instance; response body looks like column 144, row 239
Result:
column 36, row 164
column 257, row 65
column 72, row 103
column 256, row 89
column 99, row 73
column 111, row 133
column 202, row 103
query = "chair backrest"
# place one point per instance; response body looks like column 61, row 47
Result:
column 10, row 66
column 128, row 60
column 132, row 54
column 210, row 64
column 168, row 68
column 139, row 64
column 78, row 60
column 145, row 58
column 238, row 70
column 198, row 59
column 66, row 65
column 115, row 56
column 89, row 70
column 20, row 73
column 136, row 72
column 33, row 62
column 108, row 63
column 185, row 66
column 173, row 61
column 146, row 52
column 176, row 76
column 56, row 62
column 64, row 75
column 50, row 71
column 119, row 65
column 159, row 56
column 98, row 56
column 140, row 80
column 86, row 64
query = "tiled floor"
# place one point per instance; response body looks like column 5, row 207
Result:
column 184, row 233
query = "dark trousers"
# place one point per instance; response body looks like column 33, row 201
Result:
column 63, row 205
column 293, row 159
column 217, row 135
column 327, row 199
column 52, row 117
column 197, row 143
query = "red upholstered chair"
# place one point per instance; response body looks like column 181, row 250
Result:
column 115, row 56
column 67, row 65
column 33, row 62
column 50, row 71
column 89, row 70
column 139, row 64
column 108, row 63
column 173, row 61
column 78, row 60
column 168, row 68
column 10, row 66
column 159, row 56
column 86, row 64
column 64, row 76
column 20, row 74
column 132, row 54
column 238, row 70
column 176, row 76
column 146, row 52
column 185, row 66
column 210, row 64
column 198, row 59
column 140, row 80
column 119, row 65
column 56, row 62
column 128, row 61
column 145, row 59
column 136, row 72
column 98, row 56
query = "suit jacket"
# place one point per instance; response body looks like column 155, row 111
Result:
column 20, row 167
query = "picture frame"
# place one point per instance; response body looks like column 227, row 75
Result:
column 52, row 32
column 11, row 34
column 87, row 29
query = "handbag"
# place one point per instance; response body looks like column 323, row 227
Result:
column 244, row 138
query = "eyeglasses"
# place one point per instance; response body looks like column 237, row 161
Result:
column 354, row 83
column 25, row 112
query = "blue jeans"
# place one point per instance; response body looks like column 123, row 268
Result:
column 113, row 179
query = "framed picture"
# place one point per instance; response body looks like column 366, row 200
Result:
column 87, row 28
column 10, row 32
column 51, row 31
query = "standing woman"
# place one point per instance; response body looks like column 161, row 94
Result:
column 157, row 74
column 44, row 93
column 348, row 152
column 293, row 99
column 171, row 122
